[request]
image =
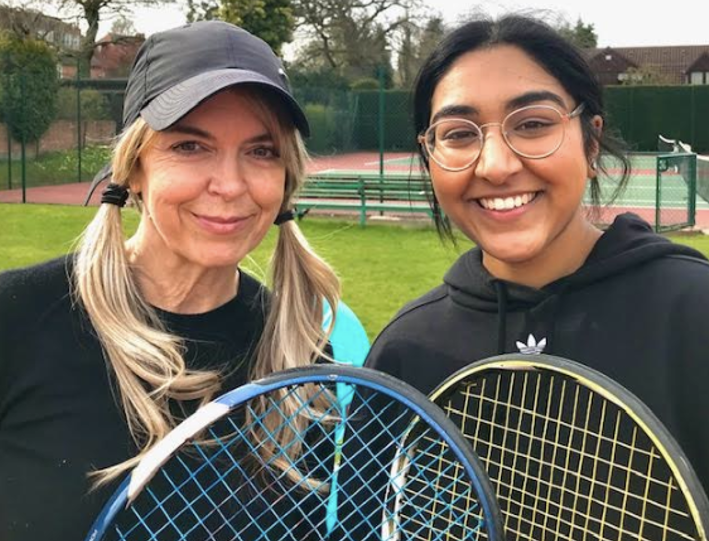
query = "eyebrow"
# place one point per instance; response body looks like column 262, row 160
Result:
column 528, row 98
column 453, row 111
column 186, row 129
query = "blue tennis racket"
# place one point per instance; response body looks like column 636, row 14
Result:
column 259, row 463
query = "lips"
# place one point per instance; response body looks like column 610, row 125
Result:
column 507, row 203
column 221, row 225
column 219, row 219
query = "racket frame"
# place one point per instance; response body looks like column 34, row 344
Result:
column 614, row 393
column 368, row 378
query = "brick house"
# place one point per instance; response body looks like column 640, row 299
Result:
column 114, row 55
column 672, row 65
column 64, row 37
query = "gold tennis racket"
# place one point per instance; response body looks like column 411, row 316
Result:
column 572, row 454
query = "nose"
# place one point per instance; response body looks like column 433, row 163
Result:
column 228, row 178
column 497, row 161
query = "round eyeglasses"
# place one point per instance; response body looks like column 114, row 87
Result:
column 535, row 132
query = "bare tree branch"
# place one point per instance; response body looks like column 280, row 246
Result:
column 354, row 37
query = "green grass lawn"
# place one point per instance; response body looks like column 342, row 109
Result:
column 382, row 266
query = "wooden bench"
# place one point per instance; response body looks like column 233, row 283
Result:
column 364, row 193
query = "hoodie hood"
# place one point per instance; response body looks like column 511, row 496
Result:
column 628, row 242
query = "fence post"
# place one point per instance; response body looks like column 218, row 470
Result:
column 380, row 76
column 658, row 194
column 9, row 155
column 692, row 119
column 78, row 117
column 363, row 201
column 23, row 137
column 692, row 199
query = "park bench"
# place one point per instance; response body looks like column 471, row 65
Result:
column 365, row 194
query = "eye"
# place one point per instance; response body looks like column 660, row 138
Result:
column 533, row 127
column 533, row 124
column 453, row 134
column 187, row 147
column 459, row 133
column 265, row 152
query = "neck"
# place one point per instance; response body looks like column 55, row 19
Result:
column 181, row 288
column 564, row 255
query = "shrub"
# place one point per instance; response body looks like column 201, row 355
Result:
column 28, row 87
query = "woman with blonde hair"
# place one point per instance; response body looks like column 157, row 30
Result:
column 106, row 350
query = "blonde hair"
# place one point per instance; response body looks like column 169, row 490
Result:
column 146, row 359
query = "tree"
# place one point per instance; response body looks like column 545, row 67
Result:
column 271, row 20
column 415, row 46
column 28, row 86
column 645, row 76
column 22, row 21
column 201, row 10
column 407, row 60
column 123, row 26
column 92, row 12
column 582, row 35
column 351, row 37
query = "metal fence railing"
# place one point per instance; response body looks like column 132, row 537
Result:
column 676, row 190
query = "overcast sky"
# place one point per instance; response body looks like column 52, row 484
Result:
column 620, row 23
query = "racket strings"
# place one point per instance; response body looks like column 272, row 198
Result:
column 359, row 486
column 455, row 505
column 218, row 466
column 420, row 457
column 424, row 485
column 256, row 474
column 566, row 463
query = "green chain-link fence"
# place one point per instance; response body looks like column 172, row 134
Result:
column 376, row 122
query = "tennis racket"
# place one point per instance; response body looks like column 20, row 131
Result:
column 572, row 454
column 260, row 463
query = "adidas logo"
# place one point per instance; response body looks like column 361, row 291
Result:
column 532, row 347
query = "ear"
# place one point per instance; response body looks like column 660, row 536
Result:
column 597, row 126
column 136, row 180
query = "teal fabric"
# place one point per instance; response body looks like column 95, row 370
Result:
column 350, row 345
column 349, row 341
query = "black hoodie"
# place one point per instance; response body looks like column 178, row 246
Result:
column 637, row 310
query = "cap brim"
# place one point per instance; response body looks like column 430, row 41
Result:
column 170, row 106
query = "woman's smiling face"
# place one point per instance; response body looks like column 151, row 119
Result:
column 211, row 185
column 517, row 209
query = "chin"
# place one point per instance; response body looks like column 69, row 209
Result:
column 511, row 255
column 219, row 260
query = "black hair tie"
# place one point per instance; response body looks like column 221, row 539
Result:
column 285, row 216
column 115, row 194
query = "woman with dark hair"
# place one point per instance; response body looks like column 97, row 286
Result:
column 512, row 131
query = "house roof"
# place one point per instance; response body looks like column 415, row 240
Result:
column 673, row 62
column 34, row 23
column 114, row 54
column 610, row 61
column 700, row 64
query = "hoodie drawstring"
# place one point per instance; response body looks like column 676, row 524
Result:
column 554, row 312
column 551, row 308
column 501, row 291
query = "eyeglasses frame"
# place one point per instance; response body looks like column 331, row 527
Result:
column 567, row 116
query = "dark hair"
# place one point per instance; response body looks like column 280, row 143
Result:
column 553, row 53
